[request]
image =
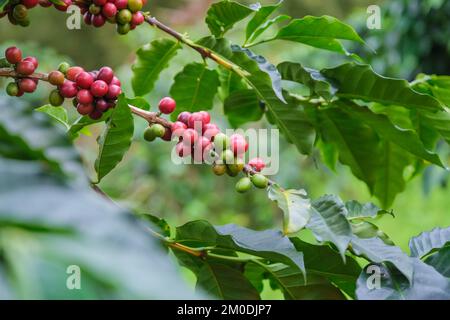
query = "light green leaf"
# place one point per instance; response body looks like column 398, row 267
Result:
column 429, row 241
column 357, row 210
column 357, row 81
column 295, row 205
column 311, row 78
column 115, row 140
column 57, row 113
column 151, row 60
column 242, row 106
column 229, row 83
column 266, row 25
column 83, row 122
column 222, row 16
column 194, row 88
column 328, row 222
column 366, row 229
column 259, row 18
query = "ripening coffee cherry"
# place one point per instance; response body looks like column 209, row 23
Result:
column 85, row 109
column 221, row 141
column 73, row 72
column 84, row 96
column 33, row 60
column 121, row 4
column 30, row 3
column 257, row 164
column 63, row 67
column 178, row 128
column 13, row 55
column 124, row 16
column 210, row 130
column 25, row 68
column 206, row 118
column 243, row 185
column 115, row 81
column 68, row 89
column 20, row 12
column 56, row 78
column 167, row 105
column 94, row 9
column 198, row 118
column 55, row 98
column 219, row 169
column 235, row 168
column 182, row 150
column 98, row 20
column 260, row 181
column 158, row 130
column 99, row 88
column 167, row 135
column 238, row 144
column 12, row 89
column 106, row 74
column 101, row 105
column 113, row 91
column 190, row 136
column 109, row 10
column 64, row 6
column 84, row 80
column 184, row 117
column 45, row 3
column 138, row 18
column 27, row 85
column 123, row 28
column 135, row 5
column 100, row 2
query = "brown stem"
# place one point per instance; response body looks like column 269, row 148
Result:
column 178, row 246
column 11, row 73
column 151, row 117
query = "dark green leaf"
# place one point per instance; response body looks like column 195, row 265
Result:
column 295, row 205
column 115, row 140
column 242, row 106
column 361, row 82
column 429, row 241
column 139, row 102
column 427, row 284
column 438, row 122
column 440, row 261
column 151, row 60
column 222, row 15
column 328, row 222
column 157, row 224
column 357, row 210
column 311, row 78
column 229, row 83
column 80, row 125
column 194, row 88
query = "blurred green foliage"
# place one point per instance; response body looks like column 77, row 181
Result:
column 148, row 181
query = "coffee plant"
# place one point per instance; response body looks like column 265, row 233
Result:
column 385, row 130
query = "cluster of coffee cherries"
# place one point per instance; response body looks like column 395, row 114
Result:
column 18, row 9
column 125, row 14
column 93, row 92
column 204, row 142
column 24, row 68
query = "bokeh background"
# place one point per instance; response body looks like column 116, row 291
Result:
column 415, row 38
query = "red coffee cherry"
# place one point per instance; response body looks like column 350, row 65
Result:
column 206, row 118
column 87, row 18
column 13, row 55
column 167, row 105
column 30, row 3
column 68, row 89
column 201, row 117
column 85, row 109
column 73, row 72
column 178, row 128
column 121, row 4
column 210, row 130
column 33, row 60
column 109, row 10
column 56, row 78
column 106, row 74
column 95, row 115
column 102, row 105
column 257, row 164
column 25, row 68
column 138, row 18
column 238, row 144
column 182, row 150
column 27, row 85
column 99, row 88
column 190, row 136
column 113, row 91
column 84, row 96
column 84, row 80
column 100, row 2
column 184, row 117
column 98, row 20
column 115, row 81
column 45, row 3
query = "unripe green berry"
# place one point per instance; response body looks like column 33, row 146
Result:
column 243, row 185
column 24, row 22
column 221, row 141
column 12, row 89
column 235, row 168
column 158, row 130
column 260, row 181
column 124, row 16
column 94, row 9
column 228, row 157
column 149, row 135
column 20, row 12
column 123, row 28
column 55, row 98
column 135, row 5
column 219, row 169
column 63, row 67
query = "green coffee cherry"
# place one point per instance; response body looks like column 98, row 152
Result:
column 63, row 67
column 221, row 141
column 94, row 9
column 124, row 16
column 55, row 98
column 135, row 5
column 158, row 130
column 228, row 157
column 219, row 169
column 260, row 181
column 123, row 28
column 243, row 185
column 24, row 22
column 20, row 12
column 12, row 89
column 149, row 135
column 235, row 168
